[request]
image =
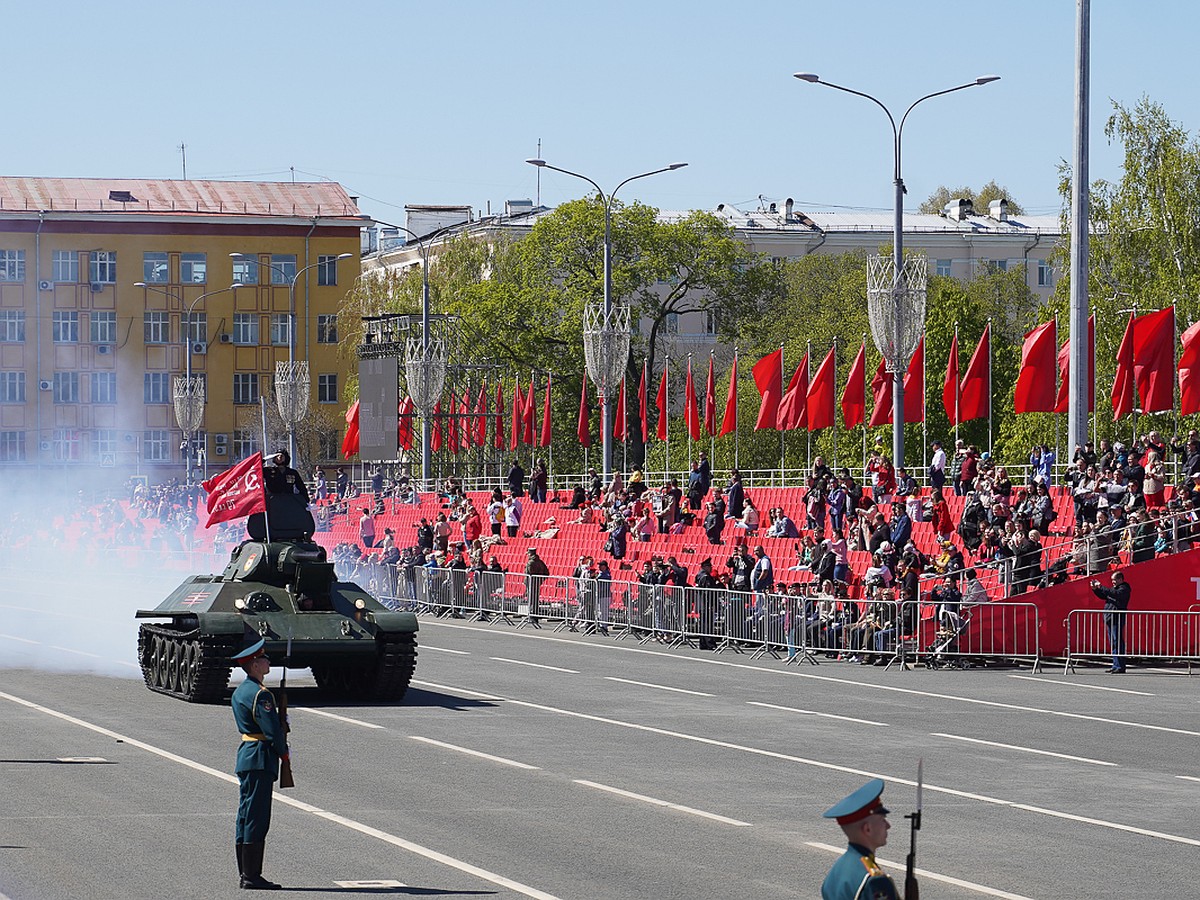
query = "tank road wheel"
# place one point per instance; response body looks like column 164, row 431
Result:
column 186, row 664
column 187, row 668
column 173, row 660
column 160, row 663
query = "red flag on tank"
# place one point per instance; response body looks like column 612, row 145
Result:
column 236, row 492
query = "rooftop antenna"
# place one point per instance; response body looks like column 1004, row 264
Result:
column 182, row 148
column 293, row 170
column 539, row 176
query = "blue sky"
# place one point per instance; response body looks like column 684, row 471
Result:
column 442, row 102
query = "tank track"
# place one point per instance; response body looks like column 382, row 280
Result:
column 386, row 678
column 185, row 663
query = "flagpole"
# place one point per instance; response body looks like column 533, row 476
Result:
column 550, row 447
column 990, row 403
column 687, row 405
column 924, row 407
column 712, row 435
column 957, row 414
column 737, row 437
column 262, row 406
column 808, row 383
column 777, row 424
column 864, row 413
column 835, row 417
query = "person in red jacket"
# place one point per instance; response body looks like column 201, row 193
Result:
column 472, row 525
column 943, row 524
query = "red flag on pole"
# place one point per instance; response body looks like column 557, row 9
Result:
column 584, row 430
column 518, row 417
column 1064, row 371
column 881, row 395
column 691, row 412
column 1154, row 359
column 854, row 400
column 819, row 404
column 452, row 425
column 1122, row 390
column 1189, row 372
column 710, row 400
column 729, row 419
column 435, row 439
column 481, row 417
column 350, row 441
column 950, row 384
column 914, row 385
column 768, row 377
column 974, row 400
column 404, row 428
column 619, row 430
column 1035, row 381
column 660, row 403
column 236, row 492
column 547, row 434
column 498, row 439
column 793, row 409
column 527, row 431
column 643, row 409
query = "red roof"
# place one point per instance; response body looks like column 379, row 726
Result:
column 254, row 198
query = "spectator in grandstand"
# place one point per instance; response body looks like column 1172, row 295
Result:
column 516, row 480
column 908, row 491
column 835, row 545
column 578, row 497
column 877, row 576
column 342, row 483
column 781, row 525
column 618, row 535
column 837, row 500
column 1191, row 456
column 637, row 484
column 512, row 515
column 713, row 523
column 968, row 470
column 901, row 529
column 539, row 481
column 645, row 526
column 366, row 529
column 1142, row 537
column 695, row 489
column 815, row 505
column 1027, row 562
column 441, row 533
column 1102, row 551
column 322, row 487
column 937, row 466
column 536, row 572
column 750, row 518
column 762, row 574
column 1154, row 485
column 735, row 496
column 495, row 512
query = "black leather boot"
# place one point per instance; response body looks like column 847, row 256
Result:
column 252, row 861
column 238, row 848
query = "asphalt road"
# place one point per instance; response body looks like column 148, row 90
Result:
column 528, row 763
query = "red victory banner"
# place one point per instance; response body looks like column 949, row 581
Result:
column 236, row 492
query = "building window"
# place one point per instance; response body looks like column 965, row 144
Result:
column 943, row 267
column 1045, row 273
column 12, row 387
column 66, row 445
column 283, row 268
column 156, row 328
column 12, row 265
column 156, row 268
column 197, row 328
column 193, row 268
column 66, row 387
column 279, row 329
column 66, row 266
column 327, row 389
column 104, row 387
column 244, row 444
column 103, row 327
column 105, row 442
column 12, row 446
column 64, row 327
column 245, row 269
column 102, row 266
column 245, row 328
column 245, row 387
column 156, row 446
column 156, row 387
column 671, row 324
column 327, row 329
column 993, row 266
column 327, row 271
column 12, row 326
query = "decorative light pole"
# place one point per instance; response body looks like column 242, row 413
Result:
column 606, row 329
column 291, row 378
column 188, row 393
column 897, row 325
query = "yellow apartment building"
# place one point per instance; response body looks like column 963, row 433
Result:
column 88, row 357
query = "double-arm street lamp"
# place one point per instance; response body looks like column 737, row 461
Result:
column 607, row 342
column 188, row 395
column 898, row 338
column 291, row 387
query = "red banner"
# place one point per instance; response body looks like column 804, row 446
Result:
column 1064, row 371
column 350, row 441
column 710, row 400
column 547, row 434
column 1189, row 372
column 691, row 411
column 768, row 376
column 950, row 385
column 661, row 403
column 619, row 430
column 793, row 409
column 1154, row 360
column 974, row 398
column 404, row 429
column 854, row 397
column 1122, row 390
column 584, row 429
column 1035, row 381
column 498, row 439
column 237, row 492
column 819, row 404
column 729, row 419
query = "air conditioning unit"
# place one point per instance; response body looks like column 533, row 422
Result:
column 220, row 439
column 226, row 338
column 220, row 450
column 44, row 446
column 104, row 349
column 45, row 285
column 45, row 385
column 199, row 347
column 97, row 287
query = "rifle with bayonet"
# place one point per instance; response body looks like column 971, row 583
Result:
column 912, row 890
column 285, row 764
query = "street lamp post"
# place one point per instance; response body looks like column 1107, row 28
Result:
column 188, row 417
column 898, row 279
column 604, row 389
column 296, row 405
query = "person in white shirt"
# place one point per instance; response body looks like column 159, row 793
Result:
column 937, row 466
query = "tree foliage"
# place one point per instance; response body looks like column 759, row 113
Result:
column 980, row 199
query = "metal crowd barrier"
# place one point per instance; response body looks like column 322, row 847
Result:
column 955, row 634
column 1138, row 634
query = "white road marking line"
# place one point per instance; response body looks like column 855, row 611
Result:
column 1188, row 777
column 1084, row 759
column 1090, row 687
column 329, row 715
column 833, row 767
column 446, row 650
column 521, row 662
column 932, row 876
column 455, row 690
column 395, row 841
column 661, row 687
column 663, row 803
column 809, row 712
column 480, row 754
column 13, row 637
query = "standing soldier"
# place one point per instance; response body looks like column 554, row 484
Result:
column 863, row 818
column 263, row 746
column 281, row 478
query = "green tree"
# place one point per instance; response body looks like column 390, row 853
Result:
column 980, row 199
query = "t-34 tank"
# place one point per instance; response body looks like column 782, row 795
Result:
column 283, row 590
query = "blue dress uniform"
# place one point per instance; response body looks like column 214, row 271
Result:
column 263, row 743
column 856, row 875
